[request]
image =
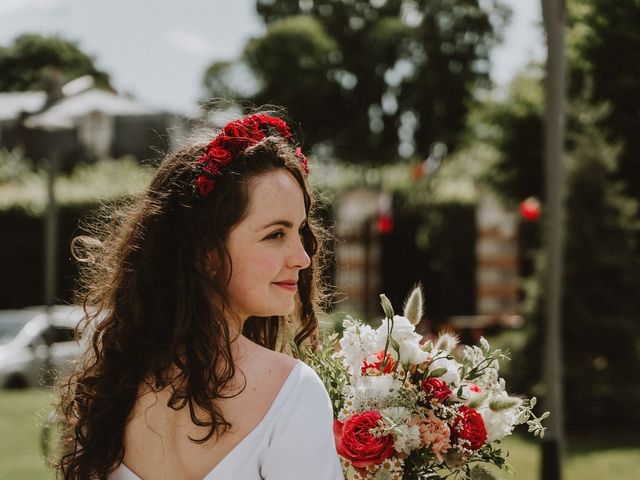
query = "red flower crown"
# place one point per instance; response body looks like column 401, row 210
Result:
column 234, row 138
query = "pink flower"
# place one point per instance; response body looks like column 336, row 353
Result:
column 435, row 433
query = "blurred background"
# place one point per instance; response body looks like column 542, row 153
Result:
column 424, row 123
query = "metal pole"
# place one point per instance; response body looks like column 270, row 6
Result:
column 51, row 231
column 553, row 14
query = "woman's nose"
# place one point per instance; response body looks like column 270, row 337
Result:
column 299, row 257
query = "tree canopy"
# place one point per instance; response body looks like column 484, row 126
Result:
column 372, row 80
column 603, row 44
column 28, row 60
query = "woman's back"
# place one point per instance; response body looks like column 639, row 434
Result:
column 157, row 444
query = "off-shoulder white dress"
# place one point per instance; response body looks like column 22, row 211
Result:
column 294, row 440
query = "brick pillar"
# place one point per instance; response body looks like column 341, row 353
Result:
column 357, row 251
column 497, row 258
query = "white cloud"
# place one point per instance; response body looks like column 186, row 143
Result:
column 189, row 42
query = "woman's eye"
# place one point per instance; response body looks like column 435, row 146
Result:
column 276, row 235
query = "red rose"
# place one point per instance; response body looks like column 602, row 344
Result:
column 252, row 122
column 204, row 185
column 468, row 425
column 436, row 389
column 377, row 366
column 356, row 444
column 212, row 166
column 231, row 144
column 221, row 154
column 236, row 130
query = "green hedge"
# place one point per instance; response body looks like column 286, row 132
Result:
column 23, row 202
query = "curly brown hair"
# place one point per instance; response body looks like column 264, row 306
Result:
column 157, row 315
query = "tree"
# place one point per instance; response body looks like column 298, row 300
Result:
column 375, row 80
column 513, row 129
column 28, row 60
column 603, row 45
column 602, row 278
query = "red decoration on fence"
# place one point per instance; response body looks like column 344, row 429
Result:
column 530, row 209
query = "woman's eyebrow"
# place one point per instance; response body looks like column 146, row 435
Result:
column 283, row 223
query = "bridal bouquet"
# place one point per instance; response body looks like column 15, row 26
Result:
column 410, row 410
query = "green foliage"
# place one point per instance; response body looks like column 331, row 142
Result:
column 87, row 184
column 29, row 59
column 602, row 277
column 291, row 62
column 373, row 81
column 219, row 80
column 327, row 366
column 603, row 45
column 513, row 128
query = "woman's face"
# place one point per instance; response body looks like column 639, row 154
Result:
column 266, row 248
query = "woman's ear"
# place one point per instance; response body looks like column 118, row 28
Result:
column 212, row 262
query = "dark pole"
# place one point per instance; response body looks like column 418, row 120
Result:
column 554, row 119
column 51, row 229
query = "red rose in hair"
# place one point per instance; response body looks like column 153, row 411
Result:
column 435, row 389
column 468, row 425
column 281, row 127
column 212, row 166
column 377, row 366
column 236, row 130
column 204, row 185
column 232, row 145
column 356, row 444
column 221, row 154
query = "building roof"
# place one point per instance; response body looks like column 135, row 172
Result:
column 12, row 103
column 67, row 111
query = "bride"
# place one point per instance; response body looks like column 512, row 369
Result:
column 188, row 293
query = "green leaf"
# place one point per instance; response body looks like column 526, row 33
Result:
column 438, row 372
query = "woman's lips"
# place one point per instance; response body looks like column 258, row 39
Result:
column 290, row 286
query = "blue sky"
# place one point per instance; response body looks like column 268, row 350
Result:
column 157, row 50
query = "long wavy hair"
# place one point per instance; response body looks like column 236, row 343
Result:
column 157, row 316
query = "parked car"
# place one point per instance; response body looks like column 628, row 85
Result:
column 36, row 345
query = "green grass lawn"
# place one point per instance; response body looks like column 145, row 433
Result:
column 22, row 413
column 590, row 456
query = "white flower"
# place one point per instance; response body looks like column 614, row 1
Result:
column 498, row 424
column 396, row 414
column 412, row 353
column 410, row 350
column 358, row 343
column 403, row 329
column 470, row 394
column 380, row 386
column 452, row 374
column 500, row 414
column 407, row 438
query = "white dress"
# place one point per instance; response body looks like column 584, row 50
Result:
column 294, row 440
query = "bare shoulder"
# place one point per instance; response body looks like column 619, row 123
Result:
column 272, row 364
